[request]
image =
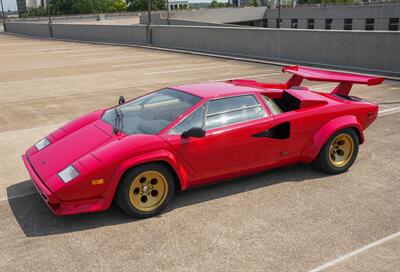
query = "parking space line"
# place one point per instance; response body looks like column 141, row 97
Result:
column 355, row 252
column 91, row 54
column 16, row 196
column 184, row 70
column 388, row 113
column 253, row 76
column 390, row 109
column 27, row 129
column 111, row 59
column 143, row 63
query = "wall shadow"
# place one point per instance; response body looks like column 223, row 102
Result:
column 35, row 219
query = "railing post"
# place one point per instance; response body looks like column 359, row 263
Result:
column 50, row 21
column 149, row 34
column 3, row 16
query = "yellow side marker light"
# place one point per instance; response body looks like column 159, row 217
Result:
column 97, row 181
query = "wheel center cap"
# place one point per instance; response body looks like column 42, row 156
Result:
column 145, row 189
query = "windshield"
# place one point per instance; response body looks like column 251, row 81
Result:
column 151, row 113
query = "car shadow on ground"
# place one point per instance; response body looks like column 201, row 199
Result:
column 35, row 219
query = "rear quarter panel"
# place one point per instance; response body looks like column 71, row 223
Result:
column 336, row 116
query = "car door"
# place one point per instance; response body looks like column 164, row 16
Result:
column 228, row 145
column 286, row 139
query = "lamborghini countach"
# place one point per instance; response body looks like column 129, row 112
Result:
column 140, row 152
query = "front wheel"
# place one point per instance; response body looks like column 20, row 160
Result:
column 339, row 152
column 145, row 190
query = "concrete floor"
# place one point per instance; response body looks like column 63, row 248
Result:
column 291, row 219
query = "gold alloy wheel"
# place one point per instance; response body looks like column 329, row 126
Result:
column 148, row 191
column 341, row 150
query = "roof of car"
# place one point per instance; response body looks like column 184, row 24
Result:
column 215, row 89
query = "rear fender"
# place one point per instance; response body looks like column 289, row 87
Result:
column 314, row 145
column 161, row 155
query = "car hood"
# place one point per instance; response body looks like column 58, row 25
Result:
column 61, row 153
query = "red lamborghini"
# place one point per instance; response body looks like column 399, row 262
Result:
column 142, row 151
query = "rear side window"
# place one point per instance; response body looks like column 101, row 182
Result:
column 231, row 110
column 274, row 108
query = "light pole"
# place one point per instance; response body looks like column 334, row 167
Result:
column 3, row 16
column 149, row 12
column 149, row 38
column 50, row 20
column 279, row 15
column 168, row 12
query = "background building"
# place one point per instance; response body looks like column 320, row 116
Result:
column 382, row 16
column 24, row 5
column 178, row 4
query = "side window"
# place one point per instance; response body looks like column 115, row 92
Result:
column 274, row 108
column 227, row 111
column 193, row 120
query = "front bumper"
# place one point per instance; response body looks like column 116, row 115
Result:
column 58, row 206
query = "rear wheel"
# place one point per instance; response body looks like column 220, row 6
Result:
column 339, row 152
column 146, row 190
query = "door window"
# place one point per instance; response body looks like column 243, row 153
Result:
column 193, row 120
column 231, row 110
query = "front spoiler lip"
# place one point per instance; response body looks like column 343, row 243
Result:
column 59, row 207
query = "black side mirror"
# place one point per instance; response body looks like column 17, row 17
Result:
column 121, row 100
column 194, row 132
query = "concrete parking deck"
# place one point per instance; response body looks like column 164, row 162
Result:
column 291, row 219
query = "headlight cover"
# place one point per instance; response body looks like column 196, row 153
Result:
column 68, row 174
column 42, row 143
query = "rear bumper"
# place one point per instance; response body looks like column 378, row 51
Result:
column 58, row 206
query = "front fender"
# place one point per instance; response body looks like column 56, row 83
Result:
column 316, row 142
column 160, row 155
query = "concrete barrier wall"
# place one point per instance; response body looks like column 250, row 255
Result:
column 133, row 34
column 368, row 51
column 357, row 50
column 33, row 29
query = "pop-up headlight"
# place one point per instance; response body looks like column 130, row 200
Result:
column 68, row 174
column 42, row 144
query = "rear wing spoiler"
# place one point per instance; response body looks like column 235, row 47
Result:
column 345, row 80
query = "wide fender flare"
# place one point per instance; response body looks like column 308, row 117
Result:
column 317, row 141
column 161, row 155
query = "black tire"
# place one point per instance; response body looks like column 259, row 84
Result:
column 323, row 161
column 123, row 191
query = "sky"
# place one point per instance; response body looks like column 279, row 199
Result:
column 10, row 4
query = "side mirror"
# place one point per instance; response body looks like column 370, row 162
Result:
column 121, row 100
column 194, row 132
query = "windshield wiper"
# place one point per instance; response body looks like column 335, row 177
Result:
column 118, row 120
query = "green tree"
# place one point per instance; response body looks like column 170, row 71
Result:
column 85, row 6
column 34, row 12
column 139, row 5
column 60, row 7
column 116, row 6
column 323, row 1
column 216, row 4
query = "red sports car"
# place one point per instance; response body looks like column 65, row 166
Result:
column 142, row 151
